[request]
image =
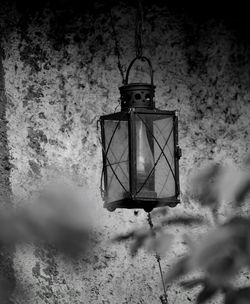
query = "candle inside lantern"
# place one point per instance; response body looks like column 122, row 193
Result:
column 144, row 158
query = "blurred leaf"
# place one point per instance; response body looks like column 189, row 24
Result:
column 223, row 268
column 227, row 241
column 234, row 185
column 192, row 283
column 203, row 187
column 160, row 211
column 179, row 269
column 220, row 254
column 59, row 216
column 148, row 239
column 239, row 228
column 240, row 296
column 138, row 243
column 246, row 160
column 139, row 238
column 159, row 244
column 183, row 220
column 206, row 293
column 124, row 237
column 242, row 191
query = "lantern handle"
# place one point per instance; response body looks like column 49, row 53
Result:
column 142, row 59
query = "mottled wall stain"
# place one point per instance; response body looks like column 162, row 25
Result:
column 60, row 77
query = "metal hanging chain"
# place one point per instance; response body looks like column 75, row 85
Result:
column 164, row 297
column 139, row 30
column 117, row 47
column 138, row 37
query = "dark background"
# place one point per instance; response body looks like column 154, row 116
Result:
column 233, row 13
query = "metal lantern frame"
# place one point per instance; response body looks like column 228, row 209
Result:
column 133, row 108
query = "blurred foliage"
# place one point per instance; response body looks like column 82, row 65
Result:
column 56, row 216
column 221, row 254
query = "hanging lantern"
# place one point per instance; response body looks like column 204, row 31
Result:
column 140, row 151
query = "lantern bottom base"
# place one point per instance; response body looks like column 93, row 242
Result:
column 147, row 204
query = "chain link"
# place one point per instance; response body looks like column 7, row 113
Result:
column 138, row 37
column 117, row 47
column 139, row 30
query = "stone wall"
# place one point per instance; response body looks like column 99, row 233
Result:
column 60, row 74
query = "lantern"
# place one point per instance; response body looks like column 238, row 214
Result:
column 140, row 151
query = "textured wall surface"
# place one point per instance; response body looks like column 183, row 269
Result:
column 60, row 76
column 7, row 276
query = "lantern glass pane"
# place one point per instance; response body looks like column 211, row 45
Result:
column 165, row 154
column 144, row 157
column 155, row 157
column 117, row 159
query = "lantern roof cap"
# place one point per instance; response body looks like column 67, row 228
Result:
column 137, row 95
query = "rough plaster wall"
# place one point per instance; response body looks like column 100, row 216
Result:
column 60, row 77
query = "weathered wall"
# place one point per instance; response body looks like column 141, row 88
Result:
column 60, row 76
column 7, row 276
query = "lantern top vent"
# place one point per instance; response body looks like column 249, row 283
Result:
column 138, row 95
